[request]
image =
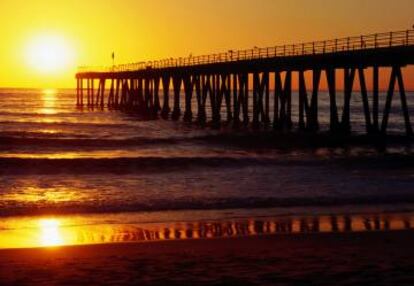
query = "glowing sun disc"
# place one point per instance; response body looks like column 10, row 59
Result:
column 50, row 232
column 48, row 53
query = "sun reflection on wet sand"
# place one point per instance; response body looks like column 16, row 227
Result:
column 50, row 232
column 97, row 229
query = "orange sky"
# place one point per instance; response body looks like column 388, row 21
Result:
column 151, row 29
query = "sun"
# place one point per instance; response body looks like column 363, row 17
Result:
column 50, row 232
column 48, row 53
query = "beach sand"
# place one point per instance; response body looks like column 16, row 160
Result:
column 372, row 258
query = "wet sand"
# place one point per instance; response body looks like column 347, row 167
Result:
column 370, row 258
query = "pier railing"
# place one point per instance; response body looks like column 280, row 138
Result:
column 348, row 44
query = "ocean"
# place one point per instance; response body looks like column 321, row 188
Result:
column 103, row 169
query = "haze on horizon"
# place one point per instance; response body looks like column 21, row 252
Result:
column 43, row 41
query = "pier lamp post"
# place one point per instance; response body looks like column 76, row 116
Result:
column 113, row 61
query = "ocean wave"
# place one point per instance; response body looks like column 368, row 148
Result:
column 243, row 139
column 17, row 136
column 405, row 203
column 57, row 112
column 58, row 140
column 126, row 165
column 34, row 124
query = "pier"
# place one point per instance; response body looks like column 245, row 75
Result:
column 255, row 87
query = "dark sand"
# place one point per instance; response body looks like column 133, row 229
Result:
column 373, row 258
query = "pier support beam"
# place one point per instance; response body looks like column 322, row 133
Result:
column 121, row 94
column 137, row 95
column 77, row 92
column 375, row 99
column 288, row 97
column 166, row 96
column 303, row 102
column 90, row 100
column 260, row 99
column 215, row 101
column 396, row 77
column 88, row 92
column 81, row 92
column 236, row 103
column 95, row 100
column 202, row 95
column 240, row 99
column 102, row 93
column 118, row 84
column 277, row 94
column 177, row 92
column 331, row 79
column 313, row 124
column 188, row 90
column 349, row 77
column 157, row 104
column 388, row 101
column 148, row 101
column 111, row 97
column 404, row 105
column 227, row 96
column 282, row 105
column 365, row 102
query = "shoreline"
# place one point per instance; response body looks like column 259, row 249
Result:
column 52, row 231
column 242, row 137
column 374, row 258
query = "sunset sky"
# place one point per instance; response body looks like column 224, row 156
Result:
column 85, row 32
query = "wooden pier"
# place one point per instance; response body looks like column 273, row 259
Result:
column 245, row 85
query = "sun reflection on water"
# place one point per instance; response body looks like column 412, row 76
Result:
column 49, row 101
column 44, row 194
